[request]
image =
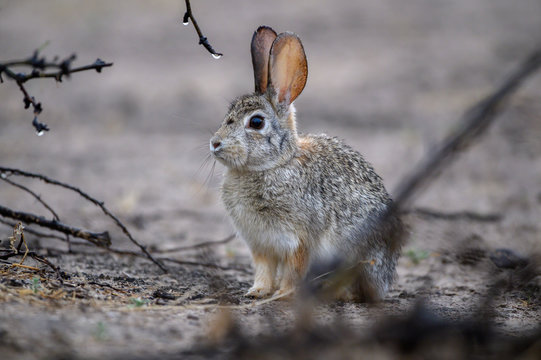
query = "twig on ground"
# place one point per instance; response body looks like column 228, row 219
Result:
column 39, row 233
column 196, row 246
column 167, row 259
column 106, row 285
column 8, row 253
column 99, row 239
column 452, row 216
column 40, row 200
column 209, row 265
column 24, row 266
column 202, row 39
column 7, row 171
column 39, row 66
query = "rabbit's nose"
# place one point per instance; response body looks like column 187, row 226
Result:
column 215, row 144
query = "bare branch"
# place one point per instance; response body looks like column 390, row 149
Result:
column 6, row 171
column 202, row 38
column 39, row 66
column 452, row 216
column 40, row 234
column 99, row 239
column 36, row 196
column 196, row 246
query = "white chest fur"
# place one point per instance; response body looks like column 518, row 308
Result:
column 257, row 218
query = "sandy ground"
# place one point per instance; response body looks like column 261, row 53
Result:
column 390, row 77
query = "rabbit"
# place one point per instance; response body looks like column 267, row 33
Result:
column 298, row 199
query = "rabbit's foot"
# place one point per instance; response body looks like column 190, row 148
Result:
column 284, row 293
column 258, row 292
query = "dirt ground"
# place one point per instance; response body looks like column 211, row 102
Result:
column 390, row 77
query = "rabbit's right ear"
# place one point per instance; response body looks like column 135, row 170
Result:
column 288, row 69
column 261, row 44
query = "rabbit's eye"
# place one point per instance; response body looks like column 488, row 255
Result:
column 256, row 122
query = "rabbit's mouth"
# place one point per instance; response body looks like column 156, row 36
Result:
column 230, row 156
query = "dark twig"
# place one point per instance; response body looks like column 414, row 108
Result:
column 98, row 239
column 100, row 204
column 473, row 124
column 202, row 38
column 40, row 200
column 196, row 246
column 36, row 196
column 454, row 216
column 209, row 265
column 39, row 65
column 133, row 253
column 167, row 259
column 10, row 253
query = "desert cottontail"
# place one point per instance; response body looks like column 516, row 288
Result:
column 298, row 199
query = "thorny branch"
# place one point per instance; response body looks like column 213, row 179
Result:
column 39, row 66
column 202, row 38
column 4, row 172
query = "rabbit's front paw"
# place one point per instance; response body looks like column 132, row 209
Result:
column 258, row 292
column 284, row 293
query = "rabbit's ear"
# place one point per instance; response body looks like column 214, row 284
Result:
column 288, row 69
column 261, row 45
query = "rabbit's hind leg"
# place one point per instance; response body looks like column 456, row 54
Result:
column 293, row 270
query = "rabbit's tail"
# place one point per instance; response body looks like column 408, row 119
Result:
column 377, row 272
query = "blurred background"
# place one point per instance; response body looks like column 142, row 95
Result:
column 390, row 77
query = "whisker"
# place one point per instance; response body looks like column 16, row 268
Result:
column 203, row 164
column 209, row 177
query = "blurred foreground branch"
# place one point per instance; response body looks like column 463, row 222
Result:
column 473, row 124
column 39, row 66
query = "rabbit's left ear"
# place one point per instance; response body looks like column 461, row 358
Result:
column 260, row 49
column 288, row 69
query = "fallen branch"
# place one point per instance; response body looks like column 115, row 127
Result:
column 18, row 229
column 34, row 256
column 454, row 216
column 39, row 199
column 4, row 172
column 52, row 251
column 39, row 233
column 99, row 239
column 202, row 39
column 209, row 265
column 196, row 246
